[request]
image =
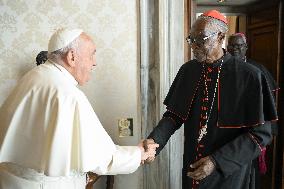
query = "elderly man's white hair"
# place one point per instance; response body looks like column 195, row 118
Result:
column 62, row 41
column 215, row 23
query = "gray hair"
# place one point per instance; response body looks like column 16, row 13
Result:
column 60, row 53
column 215, row 23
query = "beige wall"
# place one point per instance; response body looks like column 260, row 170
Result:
column 232, row 24
column 25, row 27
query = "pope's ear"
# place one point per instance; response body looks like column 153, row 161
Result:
column 221, row 37
column 70, row 56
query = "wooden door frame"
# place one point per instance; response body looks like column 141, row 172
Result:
column 277, row 169
column 279, row 163
column 189, row 18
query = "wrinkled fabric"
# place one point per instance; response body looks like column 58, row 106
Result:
column 243, row 91
column 47, row 124
column 233, row 147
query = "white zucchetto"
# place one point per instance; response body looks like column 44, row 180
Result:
column 62, row 37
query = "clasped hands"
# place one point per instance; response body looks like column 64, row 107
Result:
column 148, row 150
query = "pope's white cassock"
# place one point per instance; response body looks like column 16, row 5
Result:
column 50, row 135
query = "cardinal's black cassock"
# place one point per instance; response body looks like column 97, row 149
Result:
column 227, row 108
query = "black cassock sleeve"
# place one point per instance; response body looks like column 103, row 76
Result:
column 165, row 128
column 243, row 149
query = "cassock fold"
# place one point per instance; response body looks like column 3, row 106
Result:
column 244, row 96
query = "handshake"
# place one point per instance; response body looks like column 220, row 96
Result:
column 148, row 150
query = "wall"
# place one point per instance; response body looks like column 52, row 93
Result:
column 162, row 54
column 25, row 27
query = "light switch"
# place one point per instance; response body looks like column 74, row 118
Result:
column 125, row 127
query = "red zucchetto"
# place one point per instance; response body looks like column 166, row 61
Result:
column 215, row 14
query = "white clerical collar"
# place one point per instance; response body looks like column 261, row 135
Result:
column 65, row 72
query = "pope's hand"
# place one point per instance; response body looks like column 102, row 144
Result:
column 150, row 144
column 148, row 149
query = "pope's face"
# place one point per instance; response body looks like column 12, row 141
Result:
column 86, row 59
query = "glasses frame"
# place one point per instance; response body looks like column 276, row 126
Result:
column 238, row 46
column 194, row 41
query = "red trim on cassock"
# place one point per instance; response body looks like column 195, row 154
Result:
column 193, row 97
column 177, row 114
column 256, row 141
column 219, row 80
column 240, row 126
column 229, row 126
column 168, row 108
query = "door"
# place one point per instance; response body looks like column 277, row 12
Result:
column 265, row 46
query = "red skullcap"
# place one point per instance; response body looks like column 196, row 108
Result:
column 215, row 14
column 240, row 34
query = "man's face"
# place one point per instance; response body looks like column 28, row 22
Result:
column 205, row 37
column 85, row 59
column 237, row 47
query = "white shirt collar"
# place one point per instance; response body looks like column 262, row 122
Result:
column 65, row 72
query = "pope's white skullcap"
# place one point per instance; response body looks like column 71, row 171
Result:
column 62, row 38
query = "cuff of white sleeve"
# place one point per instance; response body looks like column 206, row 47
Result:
column 125, row 160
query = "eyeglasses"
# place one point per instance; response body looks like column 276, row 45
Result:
column 236, row 46
column 199, row 40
